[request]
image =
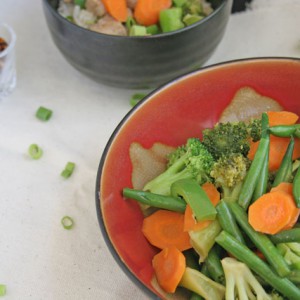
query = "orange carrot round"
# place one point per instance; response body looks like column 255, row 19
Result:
column 212, row 192
column 165, row 228
column 282, row 118
column 287, row 187
column 272, row 212
column 147, row 11
column 117, row 9
column 169, row 266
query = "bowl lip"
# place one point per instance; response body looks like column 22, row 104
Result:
column 150, row 37
column 115, row 132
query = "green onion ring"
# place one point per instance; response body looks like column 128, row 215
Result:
column 35, row 151
column 2, row 290
column 43, row 113
column 68, row 170
column 67, row 222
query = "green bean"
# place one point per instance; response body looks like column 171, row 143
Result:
column 296, row 188
column 284, row 130
column 245, row 255
column 228, row 222
column 252, row 176
column 284, row 173
column 261, row 241
column 297, row 133
column 195, row 296
column 155, row 200
column 286, row 236
column 214, row 266
column 262, row 182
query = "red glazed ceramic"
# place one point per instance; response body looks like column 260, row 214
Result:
column 171, row 114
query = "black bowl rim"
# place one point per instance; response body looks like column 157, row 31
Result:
column 157, row 36
column 107, row 239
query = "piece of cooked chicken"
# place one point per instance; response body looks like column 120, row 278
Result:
column 109, row 25
column 96, row 7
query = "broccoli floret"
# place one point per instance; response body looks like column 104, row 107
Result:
column 254, row 129
column 240, row 281
column 191, row 161
column 228, row 173
column 226, row 138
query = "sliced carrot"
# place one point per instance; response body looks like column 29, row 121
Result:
column 282, row 118
column 272, row 212
column 169, row 266
column 190, row 222
column 165, row 228
column 117, row 9
column 147, row 11
column 287, row 187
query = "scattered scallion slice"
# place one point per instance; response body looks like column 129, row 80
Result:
column 68, row 170
column 130, row 22
column 35, row 151
column 43, row 113
column 67, row 222
column 2, row 290
column 81, row 3
column 135, row 98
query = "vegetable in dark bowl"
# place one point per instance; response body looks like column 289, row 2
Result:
column 137, row 61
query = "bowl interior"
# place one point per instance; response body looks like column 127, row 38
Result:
column 170, row 115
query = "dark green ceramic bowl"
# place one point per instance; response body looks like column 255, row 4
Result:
column 137, row 62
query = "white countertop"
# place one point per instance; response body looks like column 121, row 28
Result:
column 38, row 258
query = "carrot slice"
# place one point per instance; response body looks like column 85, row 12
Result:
column 282, row 118
column 147, row 11
column 190, row 222
column 117, row 9
column 272, row 212
column 287, row 187
column 169, row 266
column 165, row 228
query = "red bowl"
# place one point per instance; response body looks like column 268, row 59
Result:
column 171, row 114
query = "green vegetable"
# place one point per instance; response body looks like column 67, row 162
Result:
column 35, row 151
column 296, row 188
column 67, row 222
column 195, row 296
column 137, row 30
column 286, row 236
column 135, row 98
column 68, row 170
column 152, row 29
column 156, row 200
column 191, row 19
column 2, row 290
column 200, row 284
column 81, row 3
column 284, row 130
column 203, row 240
column 245, row 255
column 191, row 161
column 130, row 22
column 252, row 176
column 291, row 253
column 261, row 241
column 284, row 173
column 196, row 197
column 43, row 113
column 229, row 173
column 170, row 19
column 179, row 3
column 228, row 222
column 214, row 266
column 191, row 259
column 240, row 281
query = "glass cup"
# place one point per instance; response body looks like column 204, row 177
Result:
column 7, row 61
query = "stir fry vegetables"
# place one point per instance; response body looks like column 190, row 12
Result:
column 134, row 17
column 225, row 200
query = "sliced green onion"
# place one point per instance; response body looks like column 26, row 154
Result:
column 43, row 113
column 191, row 19
column 68, row 170
column 152, row 29
column 135, row 98
column 70, row 18
column 2, row 290
column 130, row 22
column 138, row 30
column 67, row 222
column 35, row 151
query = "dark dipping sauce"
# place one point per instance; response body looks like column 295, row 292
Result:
column 3, row 44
